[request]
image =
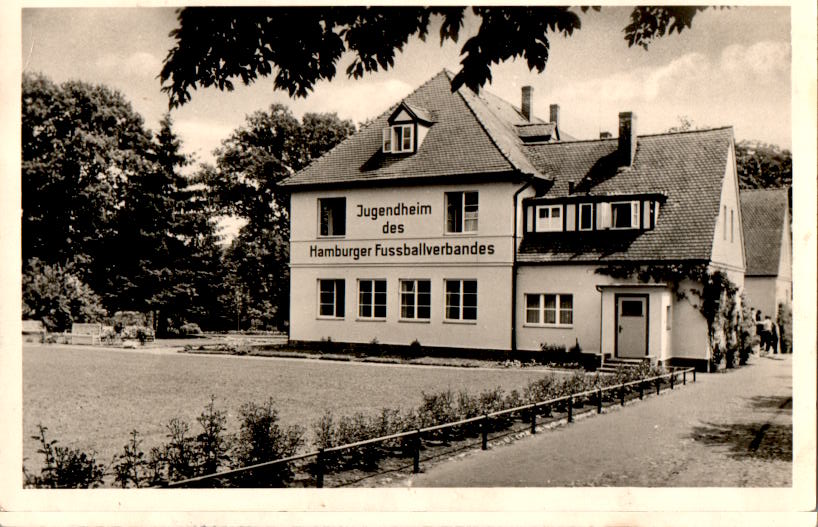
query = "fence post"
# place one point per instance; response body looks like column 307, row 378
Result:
column 485, row 430
column 319, row 477
column 641, row 390
column 599, row 400
column 684, row 377
column 571, row 409
column 533, row 419
column 672, row 378
column 416, row 453
column 658, row 385
column 694, row 374
column 622, row 395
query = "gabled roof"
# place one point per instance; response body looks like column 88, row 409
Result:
column 419, row 114
column 764, row 216
column 472, row 135
column 687, row 167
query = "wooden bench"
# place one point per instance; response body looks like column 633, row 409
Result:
column 34, row 331
column 86, row 333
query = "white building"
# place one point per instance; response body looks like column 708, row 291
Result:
column 458, row 220
column 767, row 235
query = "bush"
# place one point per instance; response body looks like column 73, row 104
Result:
column 784, row 321
column 178, row 454
column 262, row 439
column 212, row 445
column 132, row 463
column 65, row 468
column 189, row 329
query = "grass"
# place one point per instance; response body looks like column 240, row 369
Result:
column 91, row 398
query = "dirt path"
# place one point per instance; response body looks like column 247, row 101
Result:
column 732, row 429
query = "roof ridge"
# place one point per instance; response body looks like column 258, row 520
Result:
column 491, row 136
column 680, row 132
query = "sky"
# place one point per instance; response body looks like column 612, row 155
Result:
column 732, row 68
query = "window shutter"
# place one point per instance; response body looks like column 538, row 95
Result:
column 387, row 140
column 529, row 219
column 635, row 214
column 603, row 216
column 570, row 217
column 646, row 215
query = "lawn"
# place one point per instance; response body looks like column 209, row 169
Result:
column 91, row 398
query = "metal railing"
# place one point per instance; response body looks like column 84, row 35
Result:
column 530, row 410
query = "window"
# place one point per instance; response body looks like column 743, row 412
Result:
column 399, row 138
column 549, row 218
column 332, row 214
column 625, row 215
column 461, row 300
column 731, row 226
column 415, row 299
column 549, row 310
column 331, row 298
column 667, row 318
column 371, row 298
column 724, row 223
column 631, row 308
column 461, row 211
column 586, row 216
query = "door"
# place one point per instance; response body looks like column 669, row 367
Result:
column 632, row 326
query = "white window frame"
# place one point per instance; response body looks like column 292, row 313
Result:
column 469, row 215
column 583, row 206
column 371, row 300
column 634, row 215
column 549, row 224
column 330, row 223
column 391, row 144
column 559, row 301
column 415, row 295
column 336, row 282
column 461, row 304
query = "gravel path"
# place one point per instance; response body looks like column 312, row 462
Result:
column 731, row 429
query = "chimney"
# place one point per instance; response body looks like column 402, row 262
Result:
column 604, row 135
column 627, row 137
column 571, row 186
column 527, row 104
column 555, row 114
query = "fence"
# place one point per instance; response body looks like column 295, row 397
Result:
column 414, row 438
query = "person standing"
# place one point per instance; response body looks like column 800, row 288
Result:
column 767, row 331
column 774, row 337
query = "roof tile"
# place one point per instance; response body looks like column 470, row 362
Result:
column 763, row 214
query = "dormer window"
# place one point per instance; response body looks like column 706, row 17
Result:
column 399, row 138
column 549, row 218
column 625, row 215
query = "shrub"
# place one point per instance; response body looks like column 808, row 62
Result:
column 262, row 439
column 178, row 454
column 190, row 328
column 784, row 321
column 212, row 445
column 131, row 466
column 65, row 468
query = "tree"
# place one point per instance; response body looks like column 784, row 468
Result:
column 762, row 165
column 250, row 163
column 166, row 259
column 80, row 144
column 58, row 297
column 215, row 45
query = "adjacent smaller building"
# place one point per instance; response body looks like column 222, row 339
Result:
column 768, row 247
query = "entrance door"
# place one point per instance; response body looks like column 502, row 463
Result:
column 632, row 326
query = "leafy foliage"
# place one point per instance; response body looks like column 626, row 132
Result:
column 250, row 163
column 65, row 468
column 262, row 439
column 58, row 297
column 304, row 45
column 763, row 166
column 106, row 201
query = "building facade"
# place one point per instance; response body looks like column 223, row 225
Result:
column 768, row 235
column 458, row 220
